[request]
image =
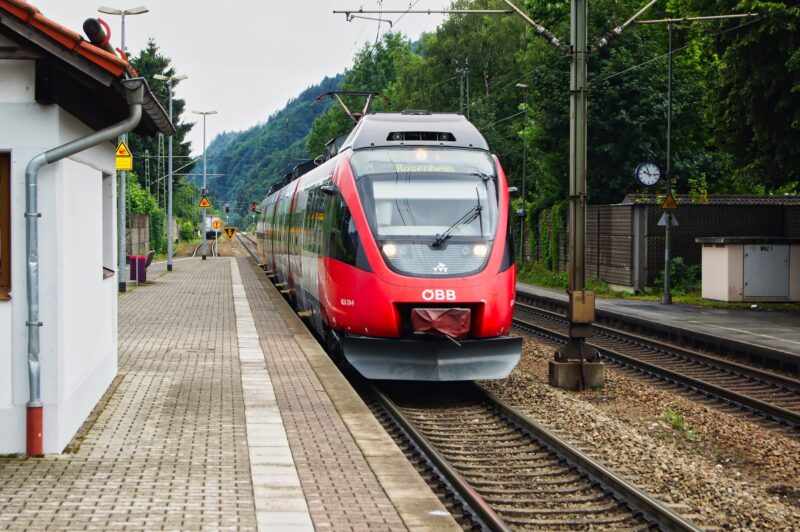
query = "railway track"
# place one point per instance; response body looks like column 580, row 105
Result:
column 494, row 469
column 768, row 395
column 506, row 471
column 212, row 248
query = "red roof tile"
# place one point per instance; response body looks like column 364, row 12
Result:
column 65, row 37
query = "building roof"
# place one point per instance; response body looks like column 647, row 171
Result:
column 415, row 128
column 65, row 37
column 713, row 199
column 96, row 95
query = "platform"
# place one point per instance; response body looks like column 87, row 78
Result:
column 225, row 414
column 773, row 330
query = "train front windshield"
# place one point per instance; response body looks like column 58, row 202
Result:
column 433, row 211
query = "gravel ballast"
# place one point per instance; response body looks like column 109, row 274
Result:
column 723, row 469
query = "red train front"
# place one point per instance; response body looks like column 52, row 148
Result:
column 397, row 250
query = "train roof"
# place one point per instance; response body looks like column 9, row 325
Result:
column 415, row 128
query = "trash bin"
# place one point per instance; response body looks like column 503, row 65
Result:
column 138, row 268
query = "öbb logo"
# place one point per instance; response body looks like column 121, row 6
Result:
column 429, row 294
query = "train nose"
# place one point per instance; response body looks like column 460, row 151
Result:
column 454, row 322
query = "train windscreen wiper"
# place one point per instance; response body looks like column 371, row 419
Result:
column 473, row 213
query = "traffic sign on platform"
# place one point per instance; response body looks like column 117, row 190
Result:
column 123, row 158
column 204, row 203
column 669, row 202
column 216, row 224
column 668, row 218
column 230, row 232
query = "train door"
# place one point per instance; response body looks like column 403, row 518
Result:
column 291, row 232
column 296, row 245
column 282, row 236
column 312, row 253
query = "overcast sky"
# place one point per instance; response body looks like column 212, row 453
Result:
column 245, row 58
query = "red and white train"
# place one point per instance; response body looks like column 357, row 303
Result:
column 397, row 250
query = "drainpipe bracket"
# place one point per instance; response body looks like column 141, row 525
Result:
column 34, row 404
column 33, row 215
column 32, row 324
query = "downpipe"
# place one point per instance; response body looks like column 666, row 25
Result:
column 35, row 414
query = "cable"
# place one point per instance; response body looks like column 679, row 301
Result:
column 411, row 5
column 674, row 51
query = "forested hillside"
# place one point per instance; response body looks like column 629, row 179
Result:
column 251, row 160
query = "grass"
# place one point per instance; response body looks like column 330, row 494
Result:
column 535, row 273
column 677, row 422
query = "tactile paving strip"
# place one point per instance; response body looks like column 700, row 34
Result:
column 341, row 489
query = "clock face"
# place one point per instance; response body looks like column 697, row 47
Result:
column 648, row 174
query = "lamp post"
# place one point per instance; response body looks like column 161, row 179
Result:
column 123, row 176
column 523, row 211
column 170, row 81
column 204, row 114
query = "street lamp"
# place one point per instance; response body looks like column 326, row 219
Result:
column 122, row 13
column 204, row 114
column 524, row 87
column 170, row 81
column 123, row 139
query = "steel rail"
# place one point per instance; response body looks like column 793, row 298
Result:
column 653, row 509
column 476, row 503
column 743, row 401
column 640, row 503
column 736, row 348
column 788, row 383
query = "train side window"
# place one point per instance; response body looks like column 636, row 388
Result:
column 340, row 241
column 508, row 249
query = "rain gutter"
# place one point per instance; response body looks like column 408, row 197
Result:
column 134, row 92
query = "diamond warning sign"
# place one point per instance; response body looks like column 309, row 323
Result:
column 230, row 232
column 204, row 203
column 123, row 158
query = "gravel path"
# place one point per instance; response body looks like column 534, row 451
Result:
column 726, row 471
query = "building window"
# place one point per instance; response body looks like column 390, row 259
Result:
column 5, row 225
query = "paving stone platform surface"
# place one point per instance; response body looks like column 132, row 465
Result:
column 342, row 491
column 168, row 449
column 219, row 419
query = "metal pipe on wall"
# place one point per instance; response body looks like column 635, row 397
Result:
column 135, row 97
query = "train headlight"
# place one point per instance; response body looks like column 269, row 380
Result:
column 480, row 250
column 390, row 250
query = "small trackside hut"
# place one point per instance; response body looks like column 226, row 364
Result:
column 63, row 102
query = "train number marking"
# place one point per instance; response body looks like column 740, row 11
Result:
column 430, row 294
column 347, row 302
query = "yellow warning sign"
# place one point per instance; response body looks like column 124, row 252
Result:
column 669, row 202
column 230, row 232
column 123, row 158
column 204, row 203
column 216, row 224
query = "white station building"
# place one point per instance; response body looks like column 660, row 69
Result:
column 55, row 87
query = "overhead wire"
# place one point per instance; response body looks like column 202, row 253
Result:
column 674, row 51
column 411, row 5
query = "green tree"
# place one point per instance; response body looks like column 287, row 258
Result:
column 149, row 62
column 754, row 95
